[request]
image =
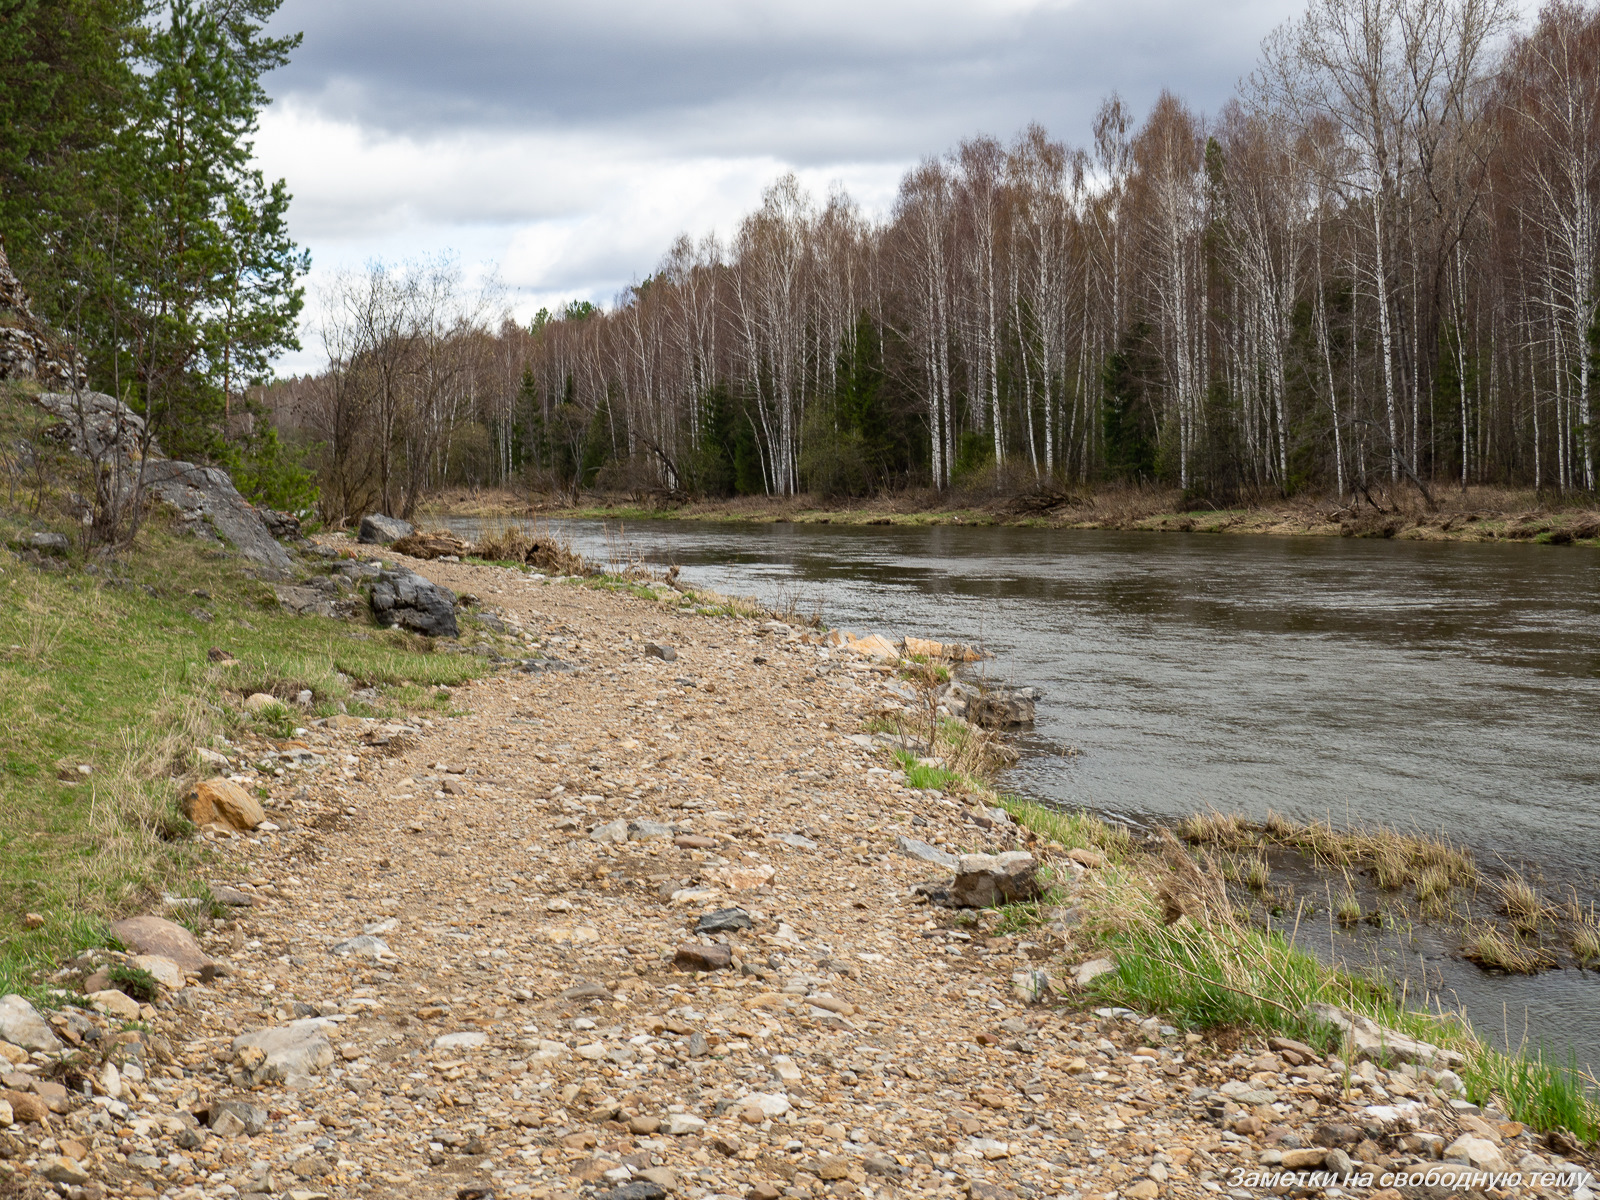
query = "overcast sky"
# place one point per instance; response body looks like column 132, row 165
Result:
column 562, row 147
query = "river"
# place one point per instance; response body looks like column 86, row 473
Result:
column 1443, row 687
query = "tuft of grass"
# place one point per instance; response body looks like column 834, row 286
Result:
column 926, row 776
column 1520, row 902
column 1489, row 946
column 1229, row 831
column 1586, row 942
column 1257, row 874
column 1536, row 1091
column 1433, row 891
column 1347, row 907
column 134, row 982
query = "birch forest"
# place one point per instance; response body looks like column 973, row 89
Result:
column 1373, row 270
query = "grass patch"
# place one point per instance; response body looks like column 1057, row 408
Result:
column 1537, row 1091
column 134, row 982
column 104, row 664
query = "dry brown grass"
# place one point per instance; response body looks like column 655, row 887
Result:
column 1394, row 858
column 1490, row 946
column 532, row 543
column 1520, row 901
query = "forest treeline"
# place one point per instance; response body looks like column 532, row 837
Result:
column 1374, row 268
column 132, row 212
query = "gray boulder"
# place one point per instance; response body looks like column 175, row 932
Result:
column 985, row 880
column 210, row 506
column 406, row 599
column 49, row 543
column 379, row 530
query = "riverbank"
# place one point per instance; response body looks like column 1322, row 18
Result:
column 1479, row 514
column 645, row 916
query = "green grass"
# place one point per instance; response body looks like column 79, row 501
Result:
column 1536, row 1091
column 109, row 669
column 1204, row 967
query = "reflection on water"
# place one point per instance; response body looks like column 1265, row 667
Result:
column 1437, row 686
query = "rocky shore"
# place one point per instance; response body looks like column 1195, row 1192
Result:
column 644, row 920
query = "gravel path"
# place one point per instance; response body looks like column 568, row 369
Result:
column 486, row 929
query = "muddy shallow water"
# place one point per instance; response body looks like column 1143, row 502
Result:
column 1443, row 687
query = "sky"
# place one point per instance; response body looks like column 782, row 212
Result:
column 556, row 150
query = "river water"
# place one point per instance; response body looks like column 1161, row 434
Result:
column 1440, row 687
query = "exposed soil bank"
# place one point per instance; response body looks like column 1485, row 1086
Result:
column 1474, row 515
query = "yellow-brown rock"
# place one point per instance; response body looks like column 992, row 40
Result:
column 220, row 801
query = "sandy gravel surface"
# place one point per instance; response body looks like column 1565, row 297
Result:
column 523, row 1019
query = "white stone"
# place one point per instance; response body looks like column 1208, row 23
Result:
column 783, row 1067
column 298, row 1049
column 679, row 1124
column 1476, row 1152
column 986, row 1148
column 115, row 1004
column 21, row 1025
column 165, row 972
column 594, row 1051
column 111, row 1081
column 771, row 1104
column 461, row 1041
column 1085, row 973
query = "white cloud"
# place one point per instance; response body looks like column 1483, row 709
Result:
column 564, row 146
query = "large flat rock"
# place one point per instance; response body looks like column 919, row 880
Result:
column 157, row 935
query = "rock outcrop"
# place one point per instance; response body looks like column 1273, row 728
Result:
column 29, row 349
column 210, row 506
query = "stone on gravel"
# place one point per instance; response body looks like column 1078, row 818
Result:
column 162, row 969
column 291, row 1051
column 1477, row 1152
column 26, row 1106
column 1086, row 973
column 680, row 1124
column 703, row 958
column 251, row 1118
column 611, row 833
column 461, row 1041
column 932, row 854
column 664, row 653
column 231, row 897
column 64, row 1170
column 379, row 530
column 159, row 936
column 222, row 801
column 723, row 920
column 742, row 879
column 364, row 946
column 21, row 1025
column 115, row 1004
column 987, row 880
column 635, row 1189
column 649, row 831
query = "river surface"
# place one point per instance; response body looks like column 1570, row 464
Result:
column 1446, row 688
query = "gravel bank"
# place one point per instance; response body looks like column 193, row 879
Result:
column 473, row 946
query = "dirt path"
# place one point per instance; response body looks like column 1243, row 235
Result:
column 533, row 873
